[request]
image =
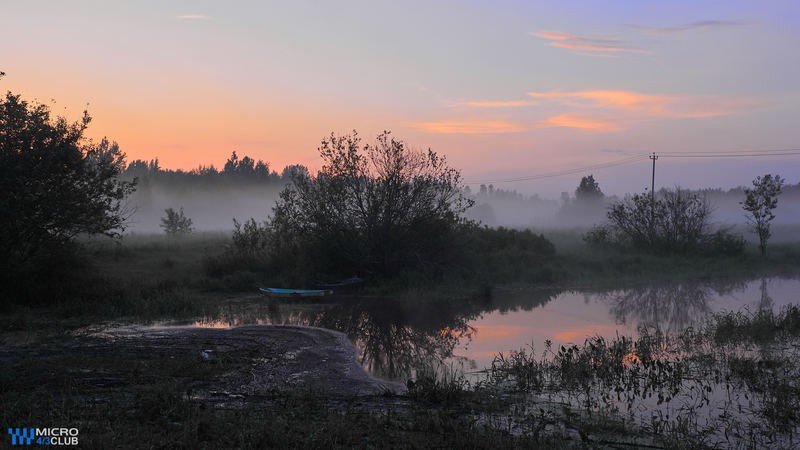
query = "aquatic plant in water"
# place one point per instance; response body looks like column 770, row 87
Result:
column 734, row 381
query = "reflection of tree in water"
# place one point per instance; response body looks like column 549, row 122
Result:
column 766, row 301
column 670, row 308
column 510, row 300
column 396, row 338
column 393, row 339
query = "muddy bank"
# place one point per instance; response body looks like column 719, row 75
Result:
column 260, row 359
column 241, row 366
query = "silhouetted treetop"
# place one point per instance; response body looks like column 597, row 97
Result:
column 588, row 189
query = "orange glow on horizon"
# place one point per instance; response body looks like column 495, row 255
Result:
column 198, row 123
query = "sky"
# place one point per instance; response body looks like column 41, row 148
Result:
column 506, row 90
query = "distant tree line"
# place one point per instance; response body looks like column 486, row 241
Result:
column 236, row 171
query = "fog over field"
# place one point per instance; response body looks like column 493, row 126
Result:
column 210, row 208
column 212, row 205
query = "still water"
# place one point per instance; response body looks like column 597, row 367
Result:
column 394, row 339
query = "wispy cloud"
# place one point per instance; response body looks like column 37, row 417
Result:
column 587, row 46
column 558, row 36
column 193, row 17
column 591, row 110
column 702, row 25
column 473, row 126
column 499, row 104
column 581, row 122
column 654, row 105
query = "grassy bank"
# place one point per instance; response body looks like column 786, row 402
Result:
column 489, row 258
column 150, row 276
column 609, row 268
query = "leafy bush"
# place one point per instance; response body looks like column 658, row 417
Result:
column 494, row 255
column 250, row 238
column 176, row 223
column 673, row 222
column 248, row 254
column 600, row 236
column 724, row 243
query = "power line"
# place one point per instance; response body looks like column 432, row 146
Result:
column 717, row 152
column 560, row 173
column 729, row 155
column 642, row 157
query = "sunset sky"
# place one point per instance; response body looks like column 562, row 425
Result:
column 504, row 89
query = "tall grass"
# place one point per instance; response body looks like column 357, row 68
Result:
column 733, row 382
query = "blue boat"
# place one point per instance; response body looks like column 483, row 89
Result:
column 278, row 292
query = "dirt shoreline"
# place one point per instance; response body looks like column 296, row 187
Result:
column 221, row 367
column 277, row 358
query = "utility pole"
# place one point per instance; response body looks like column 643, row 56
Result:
column 654, row 157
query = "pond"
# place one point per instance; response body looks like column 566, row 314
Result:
column 395, row 339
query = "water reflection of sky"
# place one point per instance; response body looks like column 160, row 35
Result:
column 571, row 317
column 395, row 338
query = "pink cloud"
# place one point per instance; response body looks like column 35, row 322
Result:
column 586, row 46
column 597, row 47
column 581, row 122
column 474, row 126
column 557, row 36
column 655, row 105
column 500, row 104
